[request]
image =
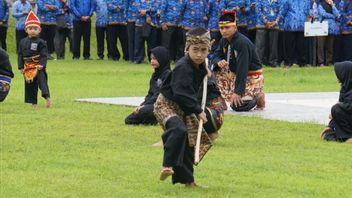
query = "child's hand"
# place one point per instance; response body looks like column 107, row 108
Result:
column 203, row 116
column 39, row 67
column 22, row 71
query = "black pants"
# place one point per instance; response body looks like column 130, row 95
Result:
column 295, row 49
column 325, row 50
column 131, row 33
column 267, row 46
column 117, row 31
column 341, row 124
column 173, row 40
column 31, row 89
column 20, row 34
column 177, row 153
column 252, row 33
column 139, row 40
column 3, row 35
column 60, row 39
column 102, row 35
column 346, row 47
column 145, row 115
column 48, row 34
column 81, row 29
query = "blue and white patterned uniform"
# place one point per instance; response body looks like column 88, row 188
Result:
column 171, row 12
column 294, row 13
column 116, row 11
column 230, row 4
column 331, row 18
column 101, row 10
column 194, row 13
column 4, row 11
column 268, row 11
column 45, row 15
column 18, row 8
column 81, row 8
column 214, row 15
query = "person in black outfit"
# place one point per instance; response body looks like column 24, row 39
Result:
column 32, row 60
column 340, row 126
column 143, row 114
column 177, row 109
column 5, row 74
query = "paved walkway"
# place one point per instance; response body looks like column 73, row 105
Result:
column 292, row 107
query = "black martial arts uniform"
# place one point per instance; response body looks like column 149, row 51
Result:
column 145, row 114
column 341, row 123
column 33, row 51
column 5, row 74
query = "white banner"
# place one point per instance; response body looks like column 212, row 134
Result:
column 316, row 28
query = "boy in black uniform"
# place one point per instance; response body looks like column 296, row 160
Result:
column 32, row 59
column 177, row 109
column 5, row 74
column 236, row 55
column 143, row 114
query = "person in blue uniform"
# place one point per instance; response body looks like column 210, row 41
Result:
column 117, row 29
column 82, row 11
column 4, row 17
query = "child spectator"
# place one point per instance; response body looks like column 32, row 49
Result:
column 143, row 114
column 340, row 126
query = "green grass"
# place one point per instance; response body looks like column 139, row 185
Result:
column 85, row 150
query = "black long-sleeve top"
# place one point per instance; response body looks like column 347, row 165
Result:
column 182, row 85
column 243, row 58
column 5, row 66
column 30, row 47
column 159, row 75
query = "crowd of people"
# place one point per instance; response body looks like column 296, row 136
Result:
column 276, row 27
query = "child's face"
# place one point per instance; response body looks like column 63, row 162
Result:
column 33, row 31
column 154, row 62
column 198, row 53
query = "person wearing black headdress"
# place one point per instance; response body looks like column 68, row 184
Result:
column 143, row 114
column 340, row 126
column 237, row 67
column 5, row 74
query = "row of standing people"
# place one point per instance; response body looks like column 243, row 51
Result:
column 276, row 26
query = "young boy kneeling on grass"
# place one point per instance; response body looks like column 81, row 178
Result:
column 177, row 109
column 340, row 126
column 32, row 59
column 143, row 114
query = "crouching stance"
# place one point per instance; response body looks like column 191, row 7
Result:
column 143, row 114
column 237, row 67
column 32, row 59
column 177, row 110
column 340, row 126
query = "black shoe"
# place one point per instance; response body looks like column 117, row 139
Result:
column 100, row 58
column 87, row 58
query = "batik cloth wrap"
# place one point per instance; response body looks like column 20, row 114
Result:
column 215, row 115
column 30, row 68
column 226, row 79
column 5, row 82
column 164, row 109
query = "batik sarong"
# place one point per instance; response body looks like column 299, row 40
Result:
column 164, row 109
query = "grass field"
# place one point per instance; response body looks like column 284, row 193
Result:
column 85, row 150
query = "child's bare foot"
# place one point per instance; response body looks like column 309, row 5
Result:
column 165, row 173
column 48, row 103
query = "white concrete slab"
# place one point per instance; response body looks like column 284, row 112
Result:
column 292, row 107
